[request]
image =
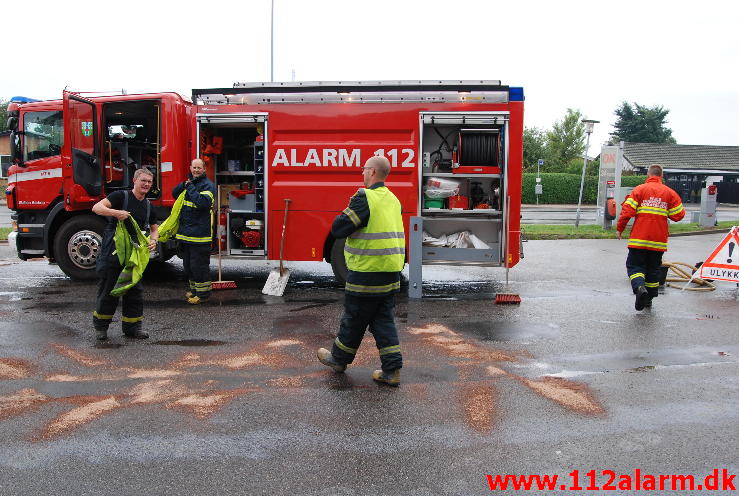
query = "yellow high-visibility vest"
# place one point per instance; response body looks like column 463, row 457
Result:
column 380, row 246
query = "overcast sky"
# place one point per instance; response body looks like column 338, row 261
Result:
column 586, row 55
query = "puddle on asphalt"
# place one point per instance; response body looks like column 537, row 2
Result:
column 107, row 346
column 508, row 331
column 626, row 361
column 306, row 307
column 11, row 295
column 643, row 368
column 293, row 325
column 191, row 342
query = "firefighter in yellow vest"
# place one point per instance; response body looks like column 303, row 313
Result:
column 375, row 254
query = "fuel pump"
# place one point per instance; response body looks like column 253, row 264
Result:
column 609, row 213
column 708, row 206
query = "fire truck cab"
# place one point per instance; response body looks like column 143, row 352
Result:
column 68, row 154
column 263, row 144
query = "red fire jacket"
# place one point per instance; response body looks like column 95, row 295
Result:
column 652, row 203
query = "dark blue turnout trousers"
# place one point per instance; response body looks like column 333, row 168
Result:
column 642, row 266
column 375, row 313
column 132, row 313
column 196, row 261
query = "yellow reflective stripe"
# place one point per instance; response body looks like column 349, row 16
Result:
column 652, row 210
column 390, row 349
column 651, row 284
column 345, row 348
column 374, row 252
column 631, row 202
column 634, row 276
column 359, row 288
column 193, row 239
column 676, row 210
column 378, row 235
column 101, row 316
column 207, row 193
column 352, row 216
column 647, row 244
column 189, row 204
column 132, row 319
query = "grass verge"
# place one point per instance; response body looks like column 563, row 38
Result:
column 4, row 231
column 592, row 231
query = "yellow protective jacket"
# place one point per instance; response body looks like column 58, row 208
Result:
column 652, row 203
column 133, row 255
column 171, row 224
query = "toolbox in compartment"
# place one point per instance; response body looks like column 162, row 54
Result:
column 242, row 200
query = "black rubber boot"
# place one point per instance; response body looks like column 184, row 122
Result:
column 135, row 332
column 642, row 297
column 101, row 333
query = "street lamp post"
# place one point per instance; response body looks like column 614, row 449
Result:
column 589, row 123
column 272, row 42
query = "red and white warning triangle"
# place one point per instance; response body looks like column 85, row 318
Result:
column 723, row 263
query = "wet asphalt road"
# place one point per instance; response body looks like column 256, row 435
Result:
column 228, row 398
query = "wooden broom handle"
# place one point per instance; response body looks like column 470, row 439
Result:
column 282, row 239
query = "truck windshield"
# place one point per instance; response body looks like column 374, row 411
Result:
column 43, row 134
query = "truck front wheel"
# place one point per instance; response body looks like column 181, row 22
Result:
column 338, row 262
column 77, row 245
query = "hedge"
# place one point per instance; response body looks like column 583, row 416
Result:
column 565, row 188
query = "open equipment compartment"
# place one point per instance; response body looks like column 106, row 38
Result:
column 464, row 153
column 462, row 189
column 232, row 147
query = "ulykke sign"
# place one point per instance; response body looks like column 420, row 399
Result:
column 723, row 263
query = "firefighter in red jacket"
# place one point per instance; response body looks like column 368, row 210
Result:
column 652, row 203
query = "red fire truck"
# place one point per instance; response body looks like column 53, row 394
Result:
column 455, row 148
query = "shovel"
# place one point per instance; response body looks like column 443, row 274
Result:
column 277, row 279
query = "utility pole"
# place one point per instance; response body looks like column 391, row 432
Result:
column 272, row 43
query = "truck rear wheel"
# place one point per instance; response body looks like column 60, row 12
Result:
column 338, row 262
column 77, row 245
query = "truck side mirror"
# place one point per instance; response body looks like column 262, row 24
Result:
column 16, row 157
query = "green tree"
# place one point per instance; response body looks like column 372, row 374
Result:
column 566, row 140
column 574, row 166
column 3, row 114
column 534, row 146
column 641, row 124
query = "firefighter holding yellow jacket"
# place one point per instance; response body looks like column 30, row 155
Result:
column 195, row 231
column 118, row 207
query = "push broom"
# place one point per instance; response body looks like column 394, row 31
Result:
column 220, row 283
column 507, row 298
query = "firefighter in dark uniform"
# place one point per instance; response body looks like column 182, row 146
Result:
column 195, row 233
column 375, row 254
column 118, row 206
